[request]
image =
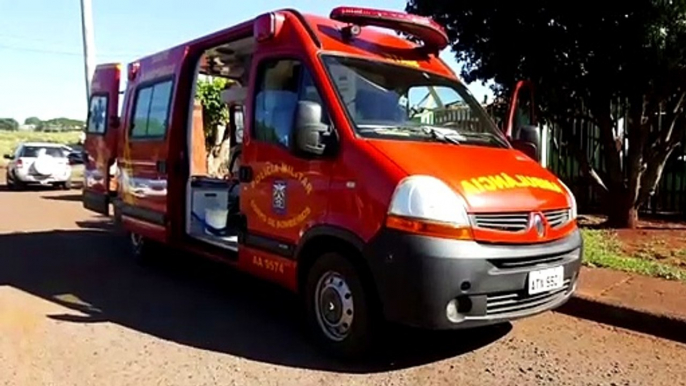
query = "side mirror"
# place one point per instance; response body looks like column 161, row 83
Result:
column 527, row 139
column 309, row 129
column 7, row 156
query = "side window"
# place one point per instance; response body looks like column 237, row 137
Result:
column 151, row 112
column 159, row 108
column 309, row 92
column 282, row 83
column 140, row 113
column 97, row 114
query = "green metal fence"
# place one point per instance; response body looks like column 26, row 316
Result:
column 669, row 197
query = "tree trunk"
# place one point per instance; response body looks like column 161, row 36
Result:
column 621, row 200
column 622, row 212
column 218, row 160
column 218, row 156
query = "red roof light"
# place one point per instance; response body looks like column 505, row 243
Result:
column 431, row 33
column 133, row 70
column 267, row 26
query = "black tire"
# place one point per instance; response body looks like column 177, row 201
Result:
column 66, row 185
column 362, row 334
column 8, row 182
column 13, row 184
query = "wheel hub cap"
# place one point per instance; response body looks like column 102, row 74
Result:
column 334, row 306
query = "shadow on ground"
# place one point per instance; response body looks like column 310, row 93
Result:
column 196, row 303
column 41, row 188
column 74, row 197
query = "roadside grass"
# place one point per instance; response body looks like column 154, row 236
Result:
column 10, row 139
column 602, row 249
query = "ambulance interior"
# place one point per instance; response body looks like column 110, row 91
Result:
column 212, row 188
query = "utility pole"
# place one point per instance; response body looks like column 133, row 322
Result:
column 88, row 44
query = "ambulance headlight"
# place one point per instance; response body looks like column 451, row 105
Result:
column 572, row 201
column 427, row 205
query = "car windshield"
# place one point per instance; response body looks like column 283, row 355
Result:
column 399, row 102
column 36, row 151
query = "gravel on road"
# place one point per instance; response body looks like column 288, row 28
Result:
column 75, row 310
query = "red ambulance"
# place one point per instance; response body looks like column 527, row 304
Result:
column 362, row 175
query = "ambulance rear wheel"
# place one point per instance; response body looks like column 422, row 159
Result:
column 338, row 307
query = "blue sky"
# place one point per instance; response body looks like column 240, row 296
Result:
column 41, row 64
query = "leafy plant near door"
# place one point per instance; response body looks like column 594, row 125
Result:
column 215, row 119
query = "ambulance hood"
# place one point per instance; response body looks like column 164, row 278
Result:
column 489, row 179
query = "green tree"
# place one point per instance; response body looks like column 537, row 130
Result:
column 591, row 60
column 215, row 118
column 215, row 112
column 32, row 121
column 9, row 124
column 62, row 124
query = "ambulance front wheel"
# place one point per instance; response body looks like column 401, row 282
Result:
column 338, row 307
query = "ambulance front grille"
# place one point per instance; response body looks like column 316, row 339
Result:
column 518, row 221
column 558, row 217
column 506, row 222
column 512, row 302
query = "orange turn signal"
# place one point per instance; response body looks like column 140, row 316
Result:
column 427, row 228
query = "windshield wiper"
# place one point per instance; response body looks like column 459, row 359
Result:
column 473, row 134
column 443, row 135
column 436, row 133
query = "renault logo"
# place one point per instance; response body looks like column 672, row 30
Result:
column 537, row 223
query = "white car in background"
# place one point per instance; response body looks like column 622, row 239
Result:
column 39, row 163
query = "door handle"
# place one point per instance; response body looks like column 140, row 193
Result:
column 245, row 174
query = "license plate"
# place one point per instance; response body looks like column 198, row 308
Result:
column 546, row 280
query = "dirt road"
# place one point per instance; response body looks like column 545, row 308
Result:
column 75, row 311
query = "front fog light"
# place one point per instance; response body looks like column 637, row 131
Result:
column 456, row 308
column 452, row 311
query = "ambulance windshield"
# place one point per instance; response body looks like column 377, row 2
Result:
column 399, row 102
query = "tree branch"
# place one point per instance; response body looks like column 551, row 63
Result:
column 584, row 161
column 667, row 138
column 657, row 158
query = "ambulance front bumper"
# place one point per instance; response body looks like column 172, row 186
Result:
column 438, row 283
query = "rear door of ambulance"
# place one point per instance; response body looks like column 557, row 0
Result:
column 102, row 130
column 145, row 149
